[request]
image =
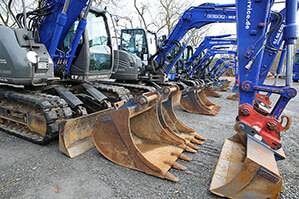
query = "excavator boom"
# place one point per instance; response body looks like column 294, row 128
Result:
column 247, row 166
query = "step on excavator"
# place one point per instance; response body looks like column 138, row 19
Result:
column 64, row 88
column 157, row 61
column 247, row 166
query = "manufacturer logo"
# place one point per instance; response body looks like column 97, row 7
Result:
column 214, row 16
column 3, row 61
column 279, row 35
column 248, row 15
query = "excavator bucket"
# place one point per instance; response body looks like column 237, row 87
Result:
column 246, row 169
column 225, row 85
column 210, row 92
column 75, row 134
column 134, row 137
column 194, row 100
column 234, row 97
column 171, row 98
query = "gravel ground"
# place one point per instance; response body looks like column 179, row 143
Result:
column 32, row 171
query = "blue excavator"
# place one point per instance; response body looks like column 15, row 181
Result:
column 296, row 67
column 220, row 67
column 209, row 42
column 201, row 68
column 58, row 63
column 56, row 82
column 247, row 166
column 274, row 44
column 144, row 45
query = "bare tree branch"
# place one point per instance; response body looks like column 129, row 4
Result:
column 141, row 12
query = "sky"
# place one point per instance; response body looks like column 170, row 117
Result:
column 126, row 8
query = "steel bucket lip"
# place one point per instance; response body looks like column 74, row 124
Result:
column 137, row 140
column 71, row 147
column 139, row 157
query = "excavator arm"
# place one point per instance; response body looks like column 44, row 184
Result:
column 275, row 44
column 221, row 66
column 193, row 18
column 56, row 24
column 208, row 43
column 249, row 158
column 204, row 62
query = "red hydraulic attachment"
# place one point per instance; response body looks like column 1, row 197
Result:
column 266, row 126
column 265, row 99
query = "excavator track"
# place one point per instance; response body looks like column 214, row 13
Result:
column 120, row 92
column 31, row 115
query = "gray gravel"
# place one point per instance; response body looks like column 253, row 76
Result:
column 32, row 171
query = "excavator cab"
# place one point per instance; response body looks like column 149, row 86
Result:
column 139, row 42
column 144, row 45
column 94, row 54
column 139, row 133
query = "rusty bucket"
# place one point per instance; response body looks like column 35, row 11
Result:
column 134, row 137
column 210, row 92
column 234, row 97
column 170, row 99
column 202, row 95
column 194, row 100
column 246, row 170
column 225, row 85
column 75, row 134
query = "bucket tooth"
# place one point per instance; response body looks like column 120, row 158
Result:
column 133, row 137
column 193, row 140
column 178, row 166
column 199, row 137
column 246, row 171
column 169, row 176
column 195, row 101
column 171, row 121
column 182, row 156
column 185, row 157
column 196, row 141
column 189, row 144
column 190, row 150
